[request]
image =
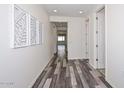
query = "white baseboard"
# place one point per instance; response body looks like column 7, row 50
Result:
column 32, row 83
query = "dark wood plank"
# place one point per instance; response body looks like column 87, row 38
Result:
column 68, row 82
column 53, row 82
column 84, row 63
column 36, row 84
column 89, row 78
column 79, row 83
column 44, row 78
column 52, row 71
column 105, row 82
column 62, row 77
column 83, row 79
column 57, row 84
column 73, row 78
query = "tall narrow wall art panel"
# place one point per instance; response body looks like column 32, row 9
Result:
column 32, row 30
column 39, row 30
column 20, row 27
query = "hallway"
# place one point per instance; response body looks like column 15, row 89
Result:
column 60, row 73
column 61, row 46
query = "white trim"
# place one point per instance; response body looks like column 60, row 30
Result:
column 97, row 11
column 11, row 26
column 34, row 80
column 106, row 42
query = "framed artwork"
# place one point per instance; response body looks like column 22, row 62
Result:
column 39, row 29
column 32, row 30
column 26, row 29
column 19, row 27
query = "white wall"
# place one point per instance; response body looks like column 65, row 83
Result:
column 76, row 36
column 20, row 67
column 115, row 45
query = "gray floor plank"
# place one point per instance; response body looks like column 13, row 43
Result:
column 53, row 82
column 57, row 68
column 47, row 83
column 73, row 78
column 83, row 80
column 45, row 78
column 57, row 85
column 64, row 63
column 77, row 76
column 100, row 83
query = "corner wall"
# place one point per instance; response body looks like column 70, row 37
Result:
column 115, row 45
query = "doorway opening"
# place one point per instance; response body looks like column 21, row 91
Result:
column 61, row 44
column 100, row 40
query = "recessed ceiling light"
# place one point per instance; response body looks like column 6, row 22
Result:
column 55, row 10
column 80, row 11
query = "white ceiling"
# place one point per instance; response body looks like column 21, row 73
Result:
column 71, row 10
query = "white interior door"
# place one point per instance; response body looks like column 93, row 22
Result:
column 101, row 39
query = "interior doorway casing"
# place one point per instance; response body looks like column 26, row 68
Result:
column 87, row 38
column 100, row 39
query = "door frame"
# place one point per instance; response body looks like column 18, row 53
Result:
column 96, row 40
column 87, row 38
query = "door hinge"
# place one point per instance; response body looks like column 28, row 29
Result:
column 96, row 32
column 96, row 59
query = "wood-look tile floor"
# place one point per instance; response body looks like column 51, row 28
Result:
column 72, row 74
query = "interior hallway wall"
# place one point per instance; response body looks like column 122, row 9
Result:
column 20, row 67
column 115, row 45
column 76, row 37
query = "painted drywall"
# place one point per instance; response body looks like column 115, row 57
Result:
column 75, row 41
column 115, row 45
column 20, row 67
column 76, row 38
